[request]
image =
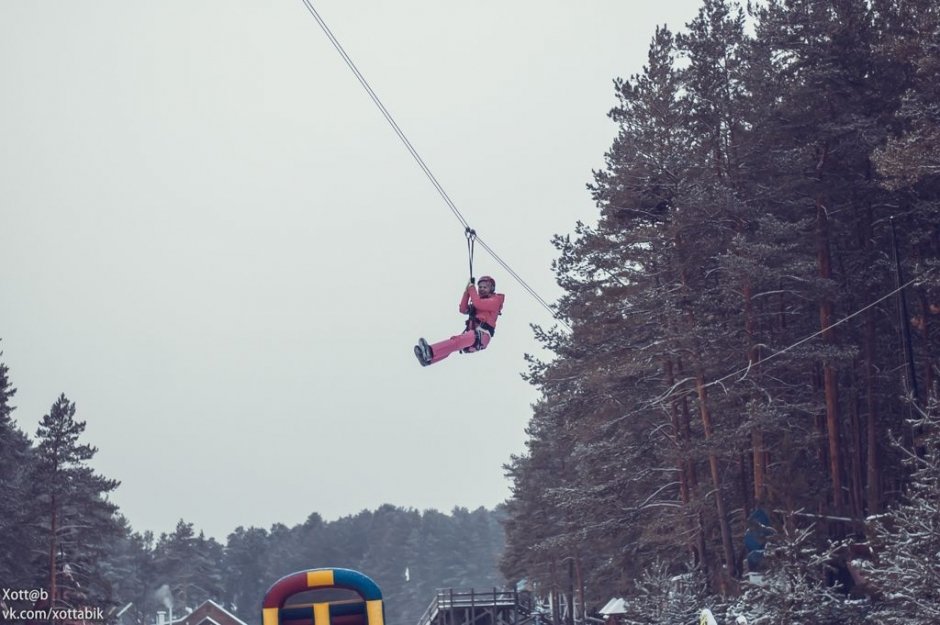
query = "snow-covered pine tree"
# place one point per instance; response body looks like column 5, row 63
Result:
column 16, row 538
column 796, row 587
column 72, row 509
column 661, row 597
column 906, row 539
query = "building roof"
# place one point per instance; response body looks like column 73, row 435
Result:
column 615, row 606
column 210, row 613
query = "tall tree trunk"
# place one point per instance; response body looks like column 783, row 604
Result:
column 570, row 598
column 855, row 457
column 686, row 427
column 685, row 412
column 747, row 495
column 679, row 411
column 680, row 442
column 758, row 453
column 760, row 465
column 556, row 614
column 830, row 377
column 925, row 333
column 723, row 521
column 822, row 450
column 53, row 539
column 580, row 575
column 872, row 430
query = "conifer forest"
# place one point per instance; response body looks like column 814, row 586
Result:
column 750, row 380
column 71, row 541
column 740, row 411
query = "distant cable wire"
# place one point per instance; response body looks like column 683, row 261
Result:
column 672, row 390
column 744, row 370
column 424, row 167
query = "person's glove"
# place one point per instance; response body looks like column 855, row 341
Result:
column 472, row 282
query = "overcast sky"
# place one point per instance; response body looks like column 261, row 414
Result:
column 213, row 242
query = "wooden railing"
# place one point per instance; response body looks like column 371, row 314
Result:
column 448, row 599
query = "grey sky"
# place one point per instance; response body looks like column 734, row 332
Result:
column 216, row 246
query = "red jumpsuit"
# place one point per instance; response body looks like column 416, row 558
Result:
column 487, row 311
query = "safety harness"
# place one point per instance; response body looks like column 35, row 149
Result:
column 472, row 322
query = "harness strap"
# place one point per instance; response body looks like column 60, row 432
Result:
column 472, row 322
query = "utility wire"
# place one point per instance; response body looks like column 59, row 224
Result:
column 744, row 370
column 424, row 167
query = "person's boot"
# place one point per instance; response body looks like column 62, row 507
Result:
column 419, row 354
column 426, row 350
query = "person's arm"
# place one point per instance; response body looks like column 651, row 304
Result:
column 464, row 307
column 491, row 304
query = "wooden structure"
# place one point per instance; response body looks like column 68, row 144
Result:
column 474, row 607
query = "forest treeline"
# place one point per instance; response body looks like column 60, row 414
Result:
column 739, row 347
column 59, row 531
column 753, row 359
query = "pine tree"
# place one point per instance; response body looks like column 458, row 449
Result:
column 906, row 539
column 16, row 540
column 190, row 565
column 75, row 517
column 912, row 154
column 247, row 567
column 129, row 568
column 796, row 586
column 387, row 539
column 661, row 597
column 538, row 534
column 740, row 218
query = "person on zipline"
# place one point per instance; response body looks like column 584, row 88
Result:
column 482, row 307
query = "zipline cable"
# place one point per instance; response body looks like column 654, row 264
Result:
column 388, row 116
column 522, row 282
column 424, row 167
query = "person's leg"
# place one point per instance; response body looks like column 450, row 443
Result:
column 481, row 340
column 443, row 349
column 460, row 342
